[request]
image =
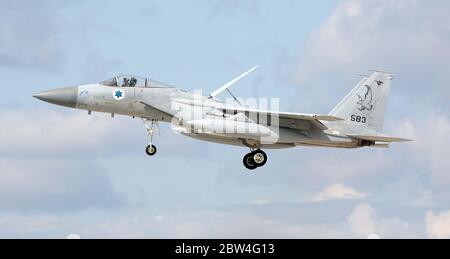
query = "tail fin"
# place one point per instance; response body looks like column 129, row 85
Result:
column 365, row 105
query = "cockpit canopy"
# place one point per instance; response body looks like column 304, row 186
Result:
column 133, row 81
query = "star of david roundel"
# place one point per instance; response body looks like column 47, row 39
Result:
column 119, row 94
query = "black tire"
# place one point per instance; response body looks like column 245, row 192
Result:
column 259, row 158
column 249, row 163
column 151, row 150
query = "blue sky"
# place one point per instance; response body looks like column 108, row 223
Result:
column 63, row 172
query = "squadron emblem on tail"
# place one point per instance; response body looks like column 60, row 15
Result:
column 366, row 102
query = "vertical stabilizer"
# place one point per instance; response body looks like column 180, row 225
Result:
column 365, row 105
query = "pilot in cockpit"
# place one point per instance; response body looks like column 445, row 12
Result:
column 133, row 82
column 126, row 82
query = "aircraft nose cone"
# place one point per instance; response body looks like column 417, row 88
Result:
column 64, row 96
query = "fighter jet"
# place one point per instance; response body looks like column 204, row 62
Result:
column 356, row 122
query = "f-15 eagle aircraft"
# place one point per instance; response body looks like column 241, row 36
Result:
column 357, row 121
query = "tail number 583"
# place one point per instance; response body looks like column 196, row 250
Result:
column 358, row 119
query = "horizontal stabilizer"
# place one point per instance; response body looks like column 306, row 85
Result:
column 384, row 145
column 379, row 138
column 326, row 118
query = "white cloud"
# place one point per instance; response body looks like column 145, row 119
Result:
column 409, row 38
column 365, row 222
column 47, row 158
column 30, row 226
column 358, row 36
column 56, row 133
column 74, row 236
column 260, row 202
column 359, row 31
column 430, row 146
column 373, row 236
column 337, row 192
column 47, row 132
column 204, row 224
column 329, row 166
column 55, row 185
column 438, row 226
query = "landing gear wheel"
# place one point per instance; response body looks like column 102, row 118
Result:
column 151, row 150
column 259, row 158
column 255, row 159
column 249, row 163
column 150, row 126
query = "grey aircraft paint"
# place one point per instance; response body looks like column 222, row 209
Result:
column 357, row 121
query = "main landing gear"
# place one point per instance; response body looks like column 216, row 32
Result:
column 151, row 125
column 255, row 159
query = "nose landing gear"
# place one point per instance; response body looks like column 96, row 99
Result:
column 151, row 149
column 255, row 159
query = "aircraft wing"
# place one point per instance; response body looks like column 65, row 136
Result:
column 378, row 138
column 287, row 119
column 289, row 115
column 156, row 111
